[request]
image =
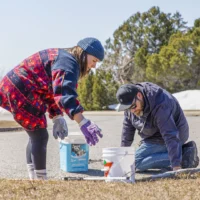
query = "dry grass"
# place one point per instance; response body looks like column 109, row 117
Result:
column 184, row 189
column 8, row 124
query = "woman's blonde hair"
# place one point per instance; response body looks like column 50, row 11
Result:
column 81, row 57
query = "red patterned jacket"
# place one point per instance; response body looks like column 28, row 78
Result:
column 45, row 81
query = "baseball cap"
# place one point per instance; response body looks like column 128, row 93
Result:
column 125, row 95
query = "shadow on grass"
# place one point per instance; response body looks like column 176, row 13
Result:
column 153, row 171
column 91, row 172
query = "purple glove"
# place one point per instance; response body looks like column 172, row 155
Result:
column 90, row 131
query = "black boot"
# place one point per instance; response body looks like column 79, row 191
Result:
column 190, row 157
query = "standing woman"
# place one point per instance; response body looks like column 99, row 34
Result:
column 47, row 82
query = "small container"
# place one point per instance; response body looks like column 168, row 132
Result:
column 74, row 153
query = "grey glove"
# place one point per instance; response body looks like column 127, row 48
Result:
column 60, row 129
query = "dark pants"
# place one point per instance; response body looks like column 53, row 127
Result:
column 36, row 149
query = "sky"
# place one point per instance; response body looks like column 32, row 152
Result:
column 29, row 26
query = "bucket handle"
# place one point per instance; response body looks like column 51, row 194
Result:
column 61, row 145
column 105, row 169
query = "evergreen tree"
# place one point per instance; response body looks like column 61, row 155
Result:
column 99, row 94
column 143, row 34
column 85, row 91
column 177, row 66
column 97, row 91
column 110, row 85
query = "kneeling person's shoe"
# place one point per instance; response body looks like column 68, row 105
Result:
column 190, row 157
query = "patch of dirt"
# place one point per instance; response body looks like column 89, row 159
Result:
column 8, row 125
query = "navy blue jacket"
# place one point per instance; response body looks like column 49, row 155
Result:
column 163, row 122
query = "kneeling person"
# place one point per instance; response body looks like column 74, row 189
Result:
column 160, row 122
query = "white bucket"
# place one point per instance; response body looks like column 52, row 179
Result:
column 119, row 162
